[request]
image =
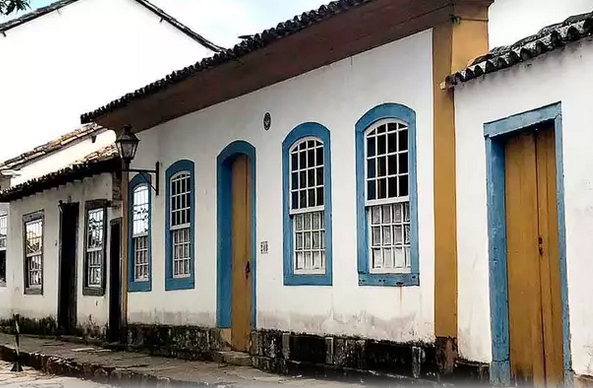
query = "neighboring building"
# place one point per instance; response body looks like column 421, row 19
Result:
column 524, row 195
column 298, row 192
column 56, row 233
column 73, row 55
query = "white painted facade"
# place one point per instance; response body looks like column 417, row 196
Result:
column 13, row 300
column 335, row 96
column 77, row 58
column 560, row 76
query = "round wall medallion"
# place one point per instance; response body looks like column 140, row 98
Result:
column 267, row 121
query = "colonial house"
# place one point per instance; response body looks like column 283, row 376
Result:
column 56, row 234
column 305, row 210
column 60, row 60
column 74, row 55
column 523, row 129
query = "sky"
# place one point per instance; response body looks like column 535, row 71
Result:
column 222, row 21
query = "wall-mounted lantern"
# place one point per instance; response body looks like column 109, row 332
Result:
column 127, row 145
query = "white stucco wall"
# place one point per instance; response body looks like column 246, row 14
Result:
column 63, row 157
column 335, row 96
column 71, row 61
column 12, row 298
column 559, row 76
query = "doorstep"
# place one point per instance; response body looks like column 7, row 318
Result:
column 232, row 358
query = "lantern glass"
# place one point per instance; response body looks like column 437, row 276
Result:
column 127, row 144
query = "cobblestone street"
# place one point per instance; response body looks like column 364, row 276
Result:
column 32, row 379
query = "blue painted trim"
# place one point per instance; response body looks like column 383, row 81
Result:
column 365, row 278
column 224, row 189
column 172, row 283
column 139, row 286
column 495, row 133
column 290, row 278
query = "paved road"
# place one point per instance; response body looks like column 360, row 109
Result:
column 31, row 378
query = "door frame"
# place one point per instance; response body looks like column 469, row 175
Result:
column 495, row 133
column 224, row 218
column 62, row 207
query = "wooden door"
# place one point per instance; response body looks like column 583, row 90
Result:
column 533, row 259
column 241, row 264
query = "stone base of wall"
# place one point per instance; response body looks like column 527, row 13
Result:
column 48, row 327
column 294, row 353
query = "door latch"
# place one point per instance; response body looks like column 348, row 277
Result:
column 247, row 268
column 540, row 245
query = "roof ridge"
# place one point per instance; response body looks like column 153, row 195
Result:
column 51, row 146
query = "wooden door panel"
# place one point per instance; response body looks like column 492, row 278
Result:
column 526, row 342
column 241, row 275
column 550, row 256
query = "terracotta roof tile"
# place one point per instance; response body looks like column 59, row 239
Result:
column 548, row 39
column 104, row 160
column 51, row 146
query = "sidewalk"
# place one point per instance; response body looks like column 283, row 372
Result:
column 125, row 368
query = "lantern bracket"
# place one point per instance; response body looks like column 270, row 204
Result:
column 156, row 173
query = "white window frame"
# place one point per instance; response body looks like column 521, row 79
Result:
column 293, row 213
column 36, row 218
column 142, row 235
column 181, row 229
column 95, row 289
column 391, row 202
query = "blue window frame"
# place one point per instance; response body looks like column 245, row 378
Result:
column 306, row 180
column 386, row 196
column 139, row 226
column 180, row 223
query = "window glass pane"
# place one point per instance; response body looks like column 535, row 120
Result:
column 308, row 177
column 403, row 163
column 388, row 159
column 381, row 144
column 371, row 146
column 309, row 244
column 180, row 199
column 2, row 266
column 389, row 240
column 402, row 142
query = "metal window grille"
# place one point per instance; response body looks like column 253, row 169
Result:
column 95, row 247
column 180, row 223
column 140, row 227
column 34, row 253
column 387, row 196
column 307, row 208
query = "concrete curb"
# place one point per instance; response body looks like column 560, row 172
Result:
column 94, row 372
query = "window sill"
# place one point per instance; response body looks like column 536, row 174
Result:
column 145, row 286
column 389, row 280
column 33, row 291
column 93, row 291
column 179, row 284
column 308, row 280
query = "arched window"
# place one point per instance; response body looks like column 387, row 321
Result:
column 307, row 206
column 180, row 218
column 140, row 268
column 387, row 201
